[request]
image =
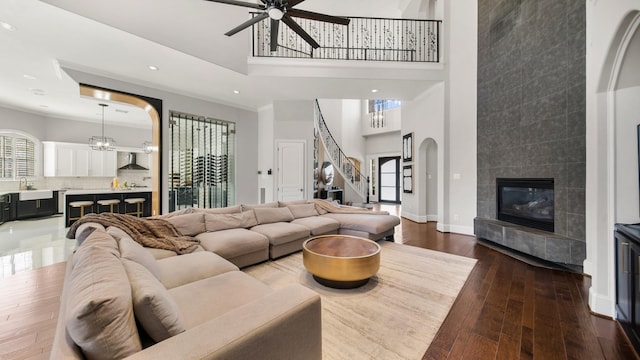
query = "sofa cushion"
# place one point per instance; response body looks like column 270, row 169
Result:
column 273, row 215
column 209, row 298
column 183, row 269
column 371, row 223
column 188, row 224
column 217, row 222
column 318, row 225
column 161, row 253
column 154, row 308
column 131, row 250
column 99, row 311
column 246, row 207
column 303, row 210
column 232, row 243
column 282, row 232
column 225, row 210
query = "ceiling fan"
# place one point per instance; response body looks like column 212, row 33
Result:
column 283, row 10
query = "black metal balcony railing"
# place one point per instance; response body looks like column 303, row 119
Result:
column 375, row 39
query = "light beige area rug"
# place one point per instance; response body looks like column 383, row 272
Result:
column 395, row 315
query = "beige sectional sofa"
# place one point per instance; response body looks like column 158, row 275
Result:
column 119, row 301
column 124, row 300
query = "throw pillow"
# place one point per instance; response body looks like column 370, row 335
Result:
column 270, row 215
column 99, row 305
column 184, row 211
column 188, row 224
column 225, row 210
column 131, row 250
column 218, row 222
column 303, row 210
column 155, row 310
column 84, row 234
column 246, row 207
column 293, row 202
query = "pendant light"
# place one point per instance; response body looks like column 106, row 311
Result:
column 102, row 143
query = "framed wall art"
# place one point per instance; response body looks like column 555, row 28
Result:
column 407, row 147
column 407, row 179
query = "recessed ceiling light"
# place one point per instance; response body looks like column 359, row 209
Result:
column 29, row 77
column 374, row 90
column 7, row 26
column 236, row 92
column 154, row 68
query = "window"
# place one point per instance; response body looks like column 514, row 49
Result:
column 202, row 162
column 380, row 105
column 17, row 156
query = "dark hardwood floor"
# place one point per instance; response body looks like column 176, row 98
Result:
column 506, row 310
column 509, row 309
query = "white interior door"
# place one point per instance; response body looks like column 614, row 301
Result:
column 291, row 184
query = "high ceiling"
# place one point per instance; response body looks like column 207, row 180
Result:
column 184, row 39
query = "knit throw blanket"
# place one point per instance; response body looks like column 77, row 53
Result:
column 343, row 209
column 154, row 233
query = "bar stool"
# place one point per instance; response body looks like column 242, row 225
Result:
column 81, row 205
column 110, row 203
column 138, row 202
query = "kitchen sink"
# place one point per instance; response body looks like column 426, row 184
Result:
column 35, row 194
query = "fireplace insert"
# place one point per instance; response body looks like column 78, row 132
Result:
column 527, row 202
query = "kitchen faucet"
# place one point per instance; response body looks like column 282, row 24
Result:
column 23, row 187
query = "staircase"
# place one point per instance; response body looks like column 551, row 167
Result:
column 341, row 163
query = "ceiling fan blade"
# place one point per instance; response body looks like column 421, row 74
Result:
column 275, row 24
column 246, row 24
column 300, row 31
column 317, row 16
column 292, row 3
column 240, row 3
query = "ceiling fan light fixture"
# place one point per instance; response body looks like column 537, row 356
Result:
column 275, row 13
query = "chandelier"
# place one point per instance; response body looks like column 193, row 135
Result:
column 102, row 143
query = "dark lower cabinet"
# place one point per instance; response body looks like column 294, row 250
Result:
column 627, row 280
column 121, row 208
column 36, row 208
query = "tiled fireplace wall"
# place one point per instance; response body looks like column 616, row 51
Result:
column 531, row 102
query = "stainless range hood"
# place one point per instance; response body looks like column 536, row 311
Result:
column 132, row 165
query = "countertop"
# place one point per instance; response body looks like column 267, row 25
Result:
column 105, row 191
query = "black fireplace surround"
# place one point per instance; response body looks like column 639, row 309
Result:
column 527, row 202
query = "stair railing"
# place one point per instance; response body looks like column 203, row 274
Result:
column 341, row 162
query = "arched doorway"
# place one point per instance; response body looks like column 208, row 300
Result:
column 153, row 107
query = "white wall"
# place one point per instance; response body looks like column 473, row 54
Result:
column 362, row 8
column 246, row 130
column 389, row 144
column 266, row 153
column 431, row 178
column 352, row 139
column 424, row 117
column 293, row 120
column 604, row 21
column 627, row 209
column 460, row 115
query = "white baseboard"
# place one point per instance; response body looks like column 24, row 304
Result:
column 414, row 217
column 457, row 229
column 601, row 304
column 432, row 217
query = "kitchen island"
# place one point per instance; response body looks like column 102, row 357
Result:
column 95, row 195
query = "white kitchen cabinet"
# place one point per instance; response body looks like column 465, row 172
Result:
column 103, row 163
column 68, row 159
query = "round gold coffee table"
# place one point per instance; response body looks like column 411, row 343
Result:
column 341, row 261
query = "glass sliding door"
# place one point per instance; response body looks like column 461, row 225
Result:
column 201, row 170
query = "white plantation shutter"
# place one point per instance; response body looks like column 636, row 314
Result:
column 17, row 157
